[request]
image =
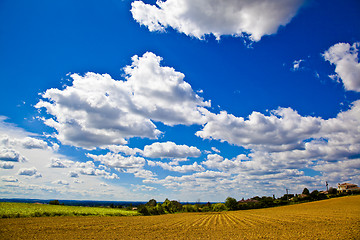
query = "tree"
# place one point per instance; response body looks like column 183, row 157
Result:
column 54, row 202
column 151, row 203
column 332, row 190
column 306, row 191
column 314, row 195
column 219, row 207
column 143, row 210
column 231, row 203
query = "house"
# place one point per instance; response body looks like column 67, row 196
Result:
column 347, row 187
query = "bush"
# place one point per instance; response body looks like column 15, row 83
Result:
column 332, row 191
column 151, row 203
column 219, row 207
column 54, row 202
column 143, row 210
column 306, row 191
column 231, row 203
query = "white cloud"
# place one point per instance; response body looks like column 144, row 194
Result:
column 140, row 173
column 73, row 174
column 284, row 129
column 31, row 143
column 137, row 187
column 29, row 172
column 11, row 155
column 6, row 165
column 97, row 110
column 170, row 150
column 60, row 182
column 39, row 160
column 296, row 64
column 195, row 167
column 60, row 163
column 161, row 94
column 9, row 179
column 215, row 149
column 27, row 142
column 255, row 18
column 124, row 149
column 215, row 161
column 345, row 58
column 118, row 161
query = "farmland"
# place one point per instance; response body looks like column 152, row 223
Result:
column 328, row 219
column 9, row 210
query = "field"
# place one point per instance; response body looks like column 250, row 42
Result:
column 8, row 210
column 328, row 219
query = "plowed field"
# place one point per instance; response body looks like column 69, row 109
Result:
column 329, row 219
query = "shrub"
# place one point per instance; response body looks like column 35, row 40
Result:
column 219, row 207
column 54, row 202
column 231, row 203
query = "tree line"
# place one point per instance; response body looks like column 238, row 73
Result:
column 152, row 207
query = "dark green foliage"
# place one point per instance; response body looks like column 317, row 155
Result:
column 231, row 203
column 151, row 203
column 314, row 194
column 54, row 202
column 206, row 207
column 190, row 208
column 159, row 209
column 154, row 208
column 332, row 191
column 143, row 210
column 306, row 191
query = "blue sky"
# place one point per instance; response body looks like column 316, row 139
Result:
column 132, row 100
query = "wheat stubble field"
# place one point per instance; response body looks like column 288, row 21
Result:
column 329, row 219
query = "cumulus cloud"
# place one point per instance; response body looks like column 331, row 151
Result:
column 60, row 182
column 11, row 155
column 170, row 150
column 88, row 168
column 9, row 179
column 27, row 142
column 31, row 143
column 29, row 172
column 347, row 67
column 215, row 161
column 60, row 163
column 195, row 167
column 124, row 149
column 6, row 165
column 254, row 18
column 283, row 129
column 317, row 144
column 97, row 110
column 114, row 160
column 73, row 174
column 140, row 173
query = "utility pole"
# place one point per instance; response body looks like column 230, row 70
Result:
column 287, row 194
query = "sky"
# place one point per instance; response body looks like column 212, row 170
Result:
column 125, row 100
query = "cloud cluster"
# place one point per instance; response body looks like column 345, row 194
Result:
column 11, row 155
column 170, row 150
column 29, row 172
column 97, row 110
column 283, row 129
column 175, row 167
column 347, row 67
column 254, row 18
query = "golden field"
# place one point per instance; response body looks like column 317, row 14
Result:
column 337, row 218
